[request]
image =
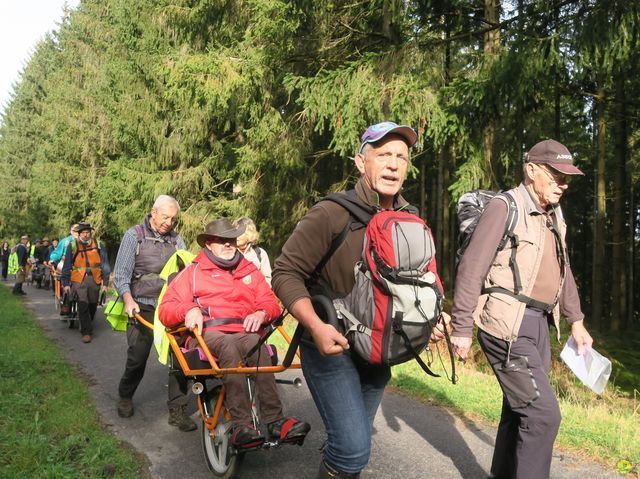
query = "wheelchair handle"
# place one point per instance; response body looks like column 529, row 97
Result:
column 323, row 307
column 295, row 382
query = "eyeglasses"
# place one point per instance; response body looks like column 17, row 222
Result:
column 557, row 178
column 219, row 240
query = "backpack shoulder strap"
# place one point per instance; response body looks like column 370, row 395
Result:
column 139, row 231
column 74, row 251
column 258, row 251
column 512, row 218
column 360, row 212
column 359, row 216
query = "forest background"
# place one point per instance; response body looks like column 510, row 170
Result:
column 255, row 107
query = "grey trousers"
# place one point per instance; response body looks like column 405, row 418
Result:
column 86, row 293
column 530, row 414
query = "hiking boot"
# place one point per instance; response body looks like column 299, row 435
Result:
column 86, row 338
column 244, row 436
column 125, row 407
column 178, row 418
column 288, row 429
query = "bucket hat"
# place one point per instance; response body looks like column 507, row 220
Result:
column 221, row 228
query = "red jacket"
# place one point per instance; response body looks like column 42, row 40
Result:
column 227, row 294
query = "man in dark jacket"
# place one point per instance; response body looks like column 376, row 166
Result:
column 23, row 258
column 382, row 160
column 144, row 250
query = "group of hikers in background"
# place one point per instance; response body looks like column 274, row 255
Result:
column 27, row 262
column 513, row 281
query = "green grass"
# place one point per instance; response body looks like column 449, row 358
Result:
column 49, row 426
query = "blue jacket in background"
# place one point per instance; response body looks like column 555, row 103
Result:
column 58, row 253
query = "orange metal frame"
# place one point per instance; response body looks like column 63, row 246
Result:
column 215, row 370
column 56, row 282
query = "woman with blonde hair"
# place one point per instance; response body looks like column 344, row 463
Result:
column 247, row 246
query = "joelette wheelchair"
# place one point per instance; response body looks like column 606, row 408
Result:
column 201, row 369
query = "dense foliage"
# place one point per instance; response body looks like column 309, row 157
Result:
column 255, row 107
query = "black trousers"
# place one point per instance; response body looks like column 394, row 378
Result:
column 530, row 414
column 140, row 341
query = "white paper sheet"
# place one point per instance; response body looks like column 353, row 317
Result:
column 592, row 368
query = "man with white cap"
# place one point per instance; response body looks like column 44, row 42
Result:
column 319, row 257
column 513, row 294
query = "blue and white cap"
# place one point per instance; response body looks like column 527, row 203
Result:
column 380, row 130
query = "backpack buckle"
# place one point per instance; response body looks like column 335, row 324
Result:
column 396, row 322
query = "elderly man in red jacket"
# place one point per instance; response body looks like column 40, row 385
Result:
column 226, row 298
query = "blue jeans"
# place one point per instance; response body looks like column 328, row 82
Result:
column 347, row 395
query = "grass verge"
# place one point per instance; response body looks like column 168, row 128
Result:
column 49, row 426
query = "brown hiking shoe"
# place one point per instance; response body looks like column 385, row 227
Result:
column 86, row 338
column 178, row 418
column 125, row 407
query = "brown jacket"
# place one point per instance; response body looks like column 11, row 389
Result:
column 499, row 314
column 310, row 241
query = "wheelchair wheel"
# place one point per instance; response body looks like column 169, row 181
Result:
column 222, row 459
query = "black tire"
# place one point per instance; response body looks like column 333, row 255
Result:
column 73, row 323
column 222, row 459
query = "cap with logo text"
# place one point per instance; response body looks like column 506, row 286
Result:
column 553, row 154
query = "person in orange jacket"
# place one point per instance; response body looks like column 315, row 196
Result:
column 85, row 274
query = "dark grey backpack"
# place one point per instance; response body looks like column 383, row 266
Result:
column 471, row 205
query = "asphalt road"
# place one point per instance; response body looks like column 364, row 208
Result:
column 411, row 440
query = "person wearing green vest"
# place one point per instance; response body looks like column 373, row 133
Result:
column 13, row 262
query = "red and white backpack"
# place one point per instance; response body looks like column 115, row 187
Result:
column 397, row 298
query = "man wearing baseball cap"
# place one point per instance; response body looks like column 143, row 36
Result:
column 512, row 294
column 319, row 257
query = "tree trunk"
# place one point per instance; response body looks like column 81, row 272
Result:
column 491, row 48
column 597, row 275
column 618, row 283
column 631, row 252
column 423, row 185
column 447, row 255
